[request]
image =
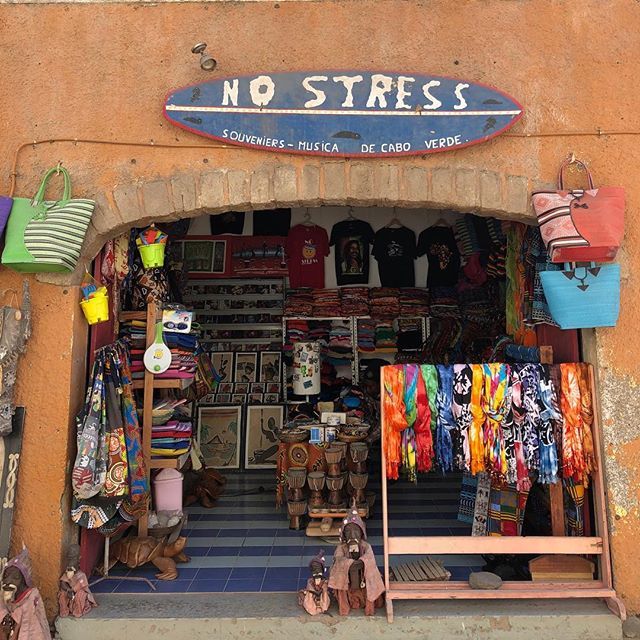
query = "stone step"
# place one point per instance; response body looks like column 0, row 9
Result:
column 276, row 616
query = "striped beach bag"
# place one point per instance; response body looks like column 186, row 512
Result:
column 46, row 236
column 580, row 225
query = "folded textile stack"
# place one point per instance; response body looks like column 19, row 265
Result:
column 326, row 303
column 340, row 336
column 182, row 346
column 444, row 303
column 384, row 302
column 354, row 301
column 366, row 335
column 414, row 302
column 297, row 331
column 172, row 429
column 319, row 331
column 299, row 302
column 385, row 335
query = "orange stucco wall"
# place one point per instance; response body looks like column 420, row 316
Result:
column 102, row 70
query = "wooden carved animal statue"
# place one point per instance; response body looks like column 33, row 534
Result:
column 136, row 551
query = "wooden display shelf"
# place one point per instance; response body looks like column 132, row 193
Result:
column 166, row 383
column 170, row 463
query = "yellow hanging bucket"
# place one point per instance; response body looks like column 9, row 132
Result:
column 152, row 255
column 96, row 309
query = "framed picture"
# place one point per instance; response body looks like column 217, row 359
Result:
column 270, row 366
column 219, row 430
column 261, row 442
column 242, row 387
column 255, row 398
column 239, row 398
column 223, row 398
column 222, row 362
column 198, row 256
column 246, row 364
column 225, row 387
column 257, row 387
column 219, row 256
column 271, row 397
column 273, row 387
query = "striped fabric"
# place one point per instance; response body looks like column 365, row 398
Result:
column 57, row 238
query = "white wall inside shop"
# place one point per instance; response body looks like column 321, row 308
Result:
column 416, row 219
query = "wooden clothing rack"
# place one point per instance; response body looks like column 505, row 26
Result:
column 149, row 385
column 558, row 543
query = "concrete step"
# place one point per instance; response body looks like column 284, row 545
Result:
column 276, row 616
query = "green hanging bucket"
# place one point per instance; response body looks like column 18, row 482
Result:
column 152, row 255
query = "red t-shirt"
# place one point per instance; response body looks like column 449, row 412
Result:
column 307, row 246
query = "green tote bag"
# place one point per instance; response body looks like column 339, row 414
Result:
column 46, row 236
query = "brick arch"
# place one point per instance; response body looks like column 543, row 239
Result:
column 315, row 183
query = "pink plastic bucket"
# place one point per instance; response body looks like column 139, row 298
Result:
column 167, row 490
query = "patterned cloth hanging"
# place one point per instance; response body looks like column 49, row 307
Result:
column 394, row 417
column 422, row 427
column 586, row 400
column 518, row 415
column 574, row 507
column 530, row 377
column 411, row 375
column 497, row 405
column 476, row 430
column 549, row 414
column 445, row 421
column 573, row 462
column 461, row 408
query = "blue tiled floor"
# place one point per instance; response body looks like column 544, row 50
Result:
column 244, row 544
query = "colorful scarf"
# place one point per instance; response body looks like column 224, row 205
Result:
column 422, row 427
column 518, row 415
column 476, row 429
column 411, row 375
column 574, row 509
column 430, row 377
column 445, row 422
column 586, row 399
column 530, row 377
column 496, row 405
column 573, row 462
column 549, row 414
column 394, row 417
column 461, row 409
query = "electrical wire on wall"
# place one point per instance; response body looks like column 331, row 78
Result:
column 598, row 132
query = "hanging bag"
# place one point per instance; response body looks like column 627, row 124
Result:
column 5, row 209
column 581, row 225
column 47, row 236
column 583, row 295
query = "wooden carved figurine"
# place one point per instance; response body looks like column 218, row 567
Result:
column 354, row 575
column 135, row 551
column 315, row 597
column 74, row 597
column 22, row 615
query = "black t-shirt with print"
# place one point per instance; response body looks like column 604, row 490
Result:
column 395, row 251
column 352, row 239
column 439, row 245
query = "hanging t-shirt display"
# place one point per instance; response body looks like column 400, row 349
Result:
column 231, row 222
column 439, row 245
column 272, row 222
column 307, row 246
column 395, row 251
column 352, row 239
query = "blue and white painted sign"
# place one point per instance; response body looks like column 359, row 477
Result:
column 341, row 113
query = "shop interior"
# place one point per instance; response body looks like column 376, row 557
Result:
column 275, row 387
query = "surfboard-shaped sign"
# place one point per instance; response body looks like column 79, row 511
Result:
column 344, row 113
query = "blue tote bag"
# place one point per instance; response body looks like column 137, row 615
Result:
column 583, row 295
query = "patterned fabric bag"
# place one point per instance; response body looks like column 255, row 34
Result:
column 582, row 225
column 47, row 236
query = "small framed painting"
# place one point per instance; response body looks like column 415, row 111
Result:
column 238, row 398
column 273, row 387
column 270, row 366
column 225, row 387
column 257, row 387
column 222, row 362
column 219, row 430
column 263, row 422
column 242, row 387
column 246, row 365
column 255, row 398
column 223, row 398
column 198, row 256
column 271, row 397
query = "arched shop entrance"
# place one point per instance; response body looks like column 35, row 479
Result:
column 378, row 190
